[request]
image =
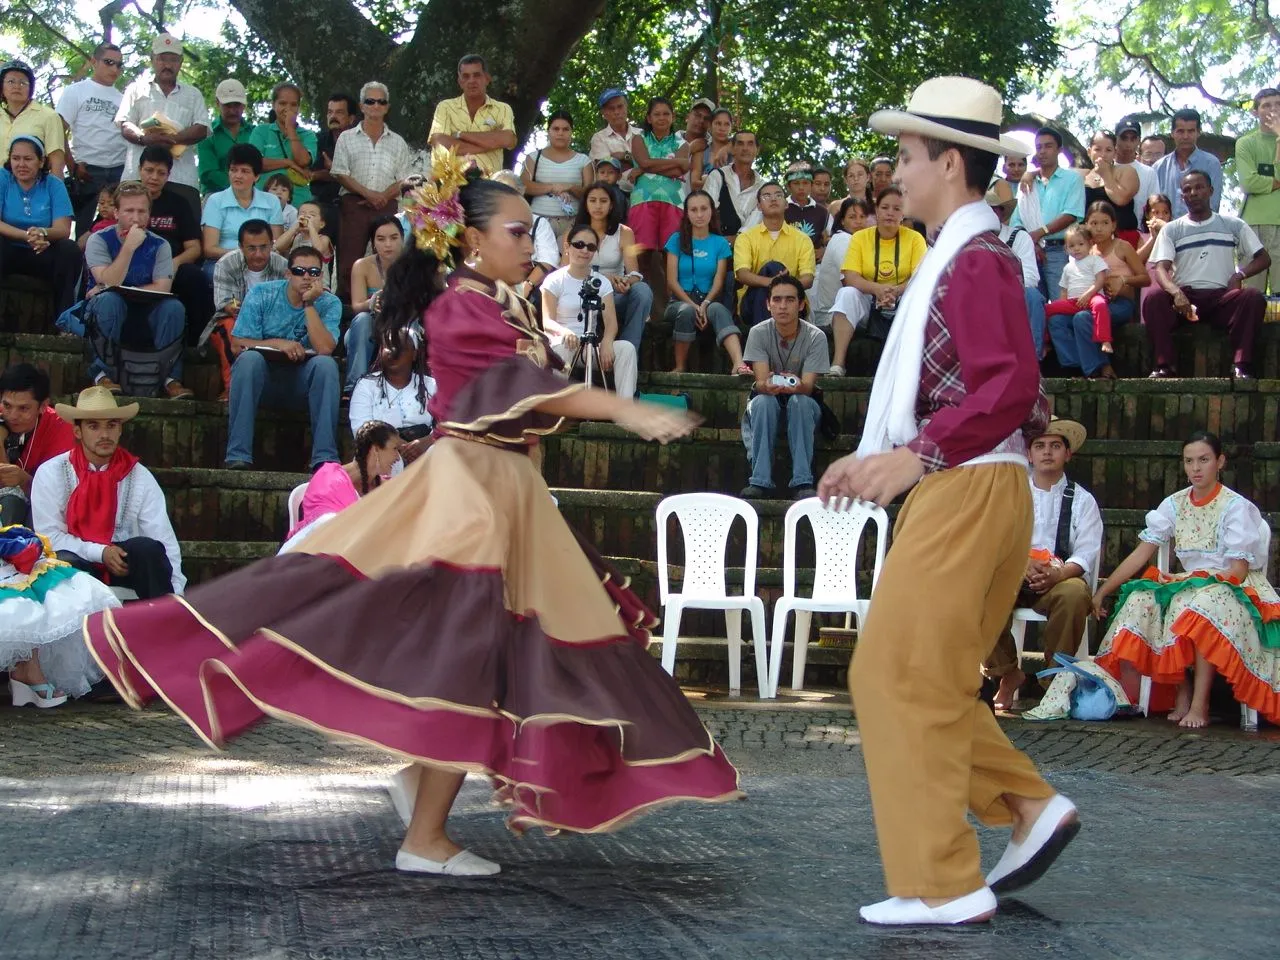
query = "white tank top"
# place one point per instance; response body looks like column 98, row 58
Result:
column 608, row 259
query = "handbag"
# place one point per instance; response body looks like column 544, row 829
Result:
column 828, row 422
column 1094, row 693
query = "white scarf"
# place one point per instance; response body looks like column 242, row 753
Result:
column 891, row 413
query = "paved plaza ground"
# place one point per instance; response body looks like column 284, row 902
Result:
column 126, row 839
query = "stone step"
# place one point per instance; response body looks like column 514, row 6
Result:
column 1120, row 473
column 1243, row 412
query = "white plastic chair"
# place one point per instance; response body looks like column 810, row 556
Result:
column 295, row 505
column 1164, row 563
column 705, row 519
column 1024, row 615
column 836, row 534
column 124, row 594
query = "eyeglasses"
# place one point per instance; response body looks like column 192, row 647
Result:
column 583, row 245
column 376, row 101
column 306, row 271
column 112, row 63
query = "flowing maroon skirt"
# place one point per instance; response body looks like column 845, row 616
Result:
column 449, row 618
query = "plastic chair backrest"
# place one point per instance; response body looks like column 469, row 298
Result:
column 295, row 505
column 705, row 520
column 836, row 535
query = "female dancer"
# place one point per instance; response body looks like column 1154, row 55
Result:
column 1219, row 615
column 504, row 644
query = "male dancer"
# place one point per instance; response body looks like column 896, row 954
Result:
column 956, row 395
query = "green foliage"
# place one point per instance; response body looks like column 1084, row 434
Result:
column 804, row 76
column 1167, row 53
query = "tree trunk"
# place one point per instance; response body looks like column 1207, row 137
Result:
column 329, row 45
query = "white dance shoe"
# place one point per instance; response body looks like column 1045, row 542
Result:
column 404, row 792
column 1025, row 863
column 41, row 695
column 976, row 907
column 462, row 864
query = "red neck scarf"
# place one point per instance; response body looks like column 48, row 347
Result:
column 91, row 508
column 52, row 435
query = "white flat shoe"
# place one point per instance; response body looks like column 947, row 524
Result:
column 40, row 695
column 976, row 907
column 404, row 792
column 835, row 370
column 1024, row 863
column 464, row 864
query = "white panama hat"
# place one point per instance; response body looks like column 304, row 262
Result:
column 959, row 110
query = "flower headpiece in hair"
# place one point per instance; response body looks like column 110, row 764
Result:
column 432, row 207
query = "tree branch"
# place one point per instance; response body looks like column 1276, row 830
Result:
column 686, row 61
column 46, row 25
column 1149, row 62
column 1261, row 17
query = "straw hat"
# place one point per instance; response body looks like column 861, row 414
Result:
column 96, row 403
column 1000, row 193
column 1072, row 433
column 955, row 109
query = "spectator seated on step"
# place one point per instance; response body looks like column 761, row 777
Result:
column 398, row 389
column 368, row 277
column 1198, row 279
column 251, row 263
column 336, row 486
column 1066, row 546
column 766, row 250
column 172, row 219
column 226, row 210
column 30, row 433
column 284, row 336
column 131, row 256
column 35, row 223
column 787, row 354
column 102, row 511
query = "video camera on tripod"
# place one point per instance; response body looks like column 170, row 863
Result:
column 591, row 316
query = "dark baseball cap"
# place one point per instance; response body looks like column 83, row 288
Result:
column 1128, row 125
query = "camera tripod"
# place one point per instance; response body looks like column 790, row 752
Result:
column 590, row 315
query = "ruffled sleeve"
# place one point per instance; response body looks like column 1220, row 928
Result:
column 1160, row 523
column 500, row 403
column 1240, row 537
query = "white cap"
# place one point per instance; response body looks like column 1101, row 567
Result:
column 166, row 43
column 230, row 91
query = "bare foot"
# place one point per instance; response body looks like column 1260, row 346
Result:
column 1182, row 704
column 1195, row 719
column 1007, row 695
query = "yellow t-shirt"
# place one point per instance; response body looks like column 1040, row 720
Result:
column 36, row 119
column 452, row 116
column 885, row 261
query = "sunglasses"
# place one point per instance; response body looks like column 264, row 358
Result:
column 583, row 245
column 306, row 271
column 376, row 101
column 112, row 63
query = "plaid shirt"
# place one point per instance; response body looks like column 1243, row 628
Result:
column 376, row 165
column 980, row 389
column 230, row 280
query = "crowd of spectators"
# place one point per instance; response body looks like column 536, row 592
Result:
column 175, row 218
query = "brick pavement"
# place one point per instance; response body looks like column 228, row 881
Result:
column 128, row 839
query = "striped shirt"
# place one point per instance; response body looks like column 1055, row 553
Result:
column 1204, row 254
column 375, row 164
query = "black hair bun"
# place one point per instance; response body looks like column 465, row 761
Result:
column 474, row 174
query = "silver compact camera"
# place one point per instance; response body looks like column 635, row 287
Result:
column 784, row 380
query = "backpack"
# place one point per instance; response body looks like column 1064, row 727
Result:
column 1093, row 693
column 141, row 372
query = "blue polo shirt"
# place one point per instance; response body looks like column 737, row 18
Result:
column 267, row 314
column 1169, row 176
column 1063, row 193
column 223, row 212
column 45, row 203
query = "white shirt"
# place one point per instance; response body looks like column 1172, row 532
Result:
column 567, row 290
column 1079, row 275
column 375, row 399
column 1025, row 248
column 140, row 512
column 184, row 106
column 546, row 250
column 744, row 198
column 89, row 108
column 1239, row 535
column 376, row 165
column 829, row 278
column 1148, row 184
column 607, row 142
column 1084, row 543
column 1204, row 253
